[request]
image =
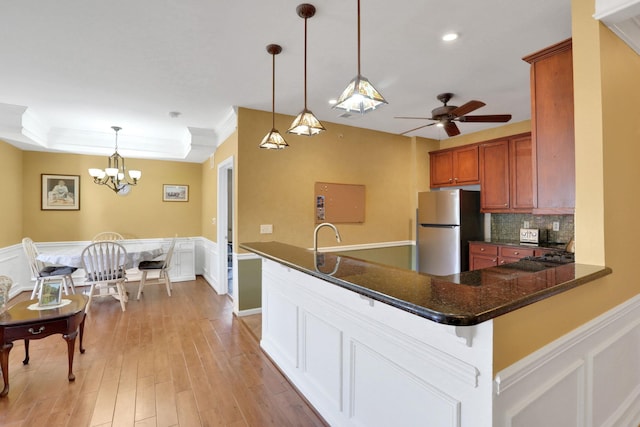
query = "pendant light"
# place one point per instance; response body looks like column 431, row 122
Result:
column 273, row 140
column 360, row 95
column 306, row 123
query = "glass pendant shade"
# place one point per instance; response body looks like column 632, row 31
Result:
column 306, row 124
column 273, row 141
column 360, row 96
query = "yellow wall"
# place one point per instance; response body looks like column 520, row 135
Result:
column 210, row 185
column 277, row 186
column 11, row 210
column 607, row 88
column 141, row 214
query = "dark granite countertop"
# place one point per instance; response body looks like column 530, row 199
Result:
column 461, row 299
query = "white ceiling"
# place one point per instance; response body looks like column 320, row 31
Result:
column 71, row 69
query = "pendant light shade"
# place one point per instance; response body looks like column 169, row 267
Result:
column 306, row 123
column 273, row 140
column 360, row 95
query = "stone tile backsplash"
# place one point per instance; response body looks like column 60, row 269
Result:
column 506, row 227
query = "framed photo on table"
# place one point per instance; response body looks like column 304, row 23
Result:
column 60, row 192
column 175, row 193
column 51, row 294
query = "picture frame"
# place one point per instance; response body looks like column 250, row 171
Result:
column 175, row 193
column 51, row 294
column 60, row 192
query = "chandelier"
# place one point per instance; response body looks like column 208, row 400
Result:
column 114, row 176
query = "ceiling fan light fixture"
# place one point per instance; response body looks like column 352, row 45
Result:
column 359, row 95
column 273, row 140
column 306, row 123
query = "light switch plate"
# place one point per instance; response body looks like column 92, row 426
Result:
column 526, row 224
column 556, row 225
column 266, row 228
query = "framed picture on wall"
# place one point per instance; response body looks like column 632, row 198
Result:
column 175, row 193
column 60, row 192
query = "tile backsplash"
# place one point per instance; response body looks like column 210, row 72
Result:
column 506, row 227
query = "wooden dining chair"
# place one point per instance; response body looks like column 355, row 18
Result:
column 107, row 236
column 161, row 267
column 105, row 267
column 41, row 273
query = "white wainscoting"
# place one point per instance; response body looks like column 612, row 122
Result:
column 13, row 262
column 207, row 261
column 589, row 377
column 364, row 363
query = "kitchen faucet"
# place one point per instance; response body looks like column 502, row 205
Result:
column 315, row 234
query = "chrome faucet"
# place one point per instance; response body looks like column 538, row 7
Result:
column 315, row 234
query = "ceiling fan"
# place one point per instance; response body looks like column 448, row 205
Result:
column 446, row 115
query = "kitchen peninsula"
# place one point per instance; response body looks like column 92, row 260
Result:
column 369, row 344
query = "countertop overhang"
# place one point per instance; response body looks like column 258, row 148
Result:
column 463, row 299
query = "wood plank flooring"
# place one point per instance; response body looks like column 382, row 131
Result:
column 183, row 360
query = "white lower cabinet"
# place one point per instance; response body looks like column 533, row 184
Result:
column 364, row 363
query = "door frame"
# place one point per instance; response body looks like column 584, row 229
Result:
column 222, row 227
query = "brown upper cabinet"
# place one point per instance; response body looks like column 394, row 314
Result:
column 506, row 175
column 552, row 129
column 454, row 166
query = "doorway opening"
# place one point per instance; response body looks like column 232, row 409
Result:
column 226, row 282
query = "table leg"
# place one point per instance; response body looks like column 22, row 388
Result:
column 82, row 333
column 71, row 344
column 4, row 364
column 26, row 353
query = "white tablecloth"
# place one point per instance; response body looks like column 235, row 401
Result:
column 136, row 252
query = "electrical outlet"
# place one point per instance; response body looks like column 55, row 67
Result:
column 266, row 228
column 556, row 225
column 526, row 224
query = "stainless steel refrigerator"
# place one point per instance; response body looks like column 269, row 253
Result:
column 447, row 220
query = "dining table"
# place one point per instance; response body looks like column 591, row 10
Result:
column 72, row 256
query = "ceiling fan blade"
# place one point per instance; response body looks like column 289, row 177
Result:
column 492, row 118
column 451, row 129
column 467, row 108
column 419, row 127
column 421, row 118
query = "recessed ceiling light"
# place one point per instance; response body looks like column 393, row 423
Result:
column 333, row 101
column 450, row 37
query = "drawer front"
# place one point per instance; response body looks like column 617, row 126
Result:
column 34, row 331
column 515, row 252
column 483, row 249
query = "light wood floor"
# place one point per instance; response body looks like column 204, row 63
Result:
column 184, row 360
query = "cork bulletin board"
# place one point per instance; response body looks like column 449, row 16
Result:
column 340, row 203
